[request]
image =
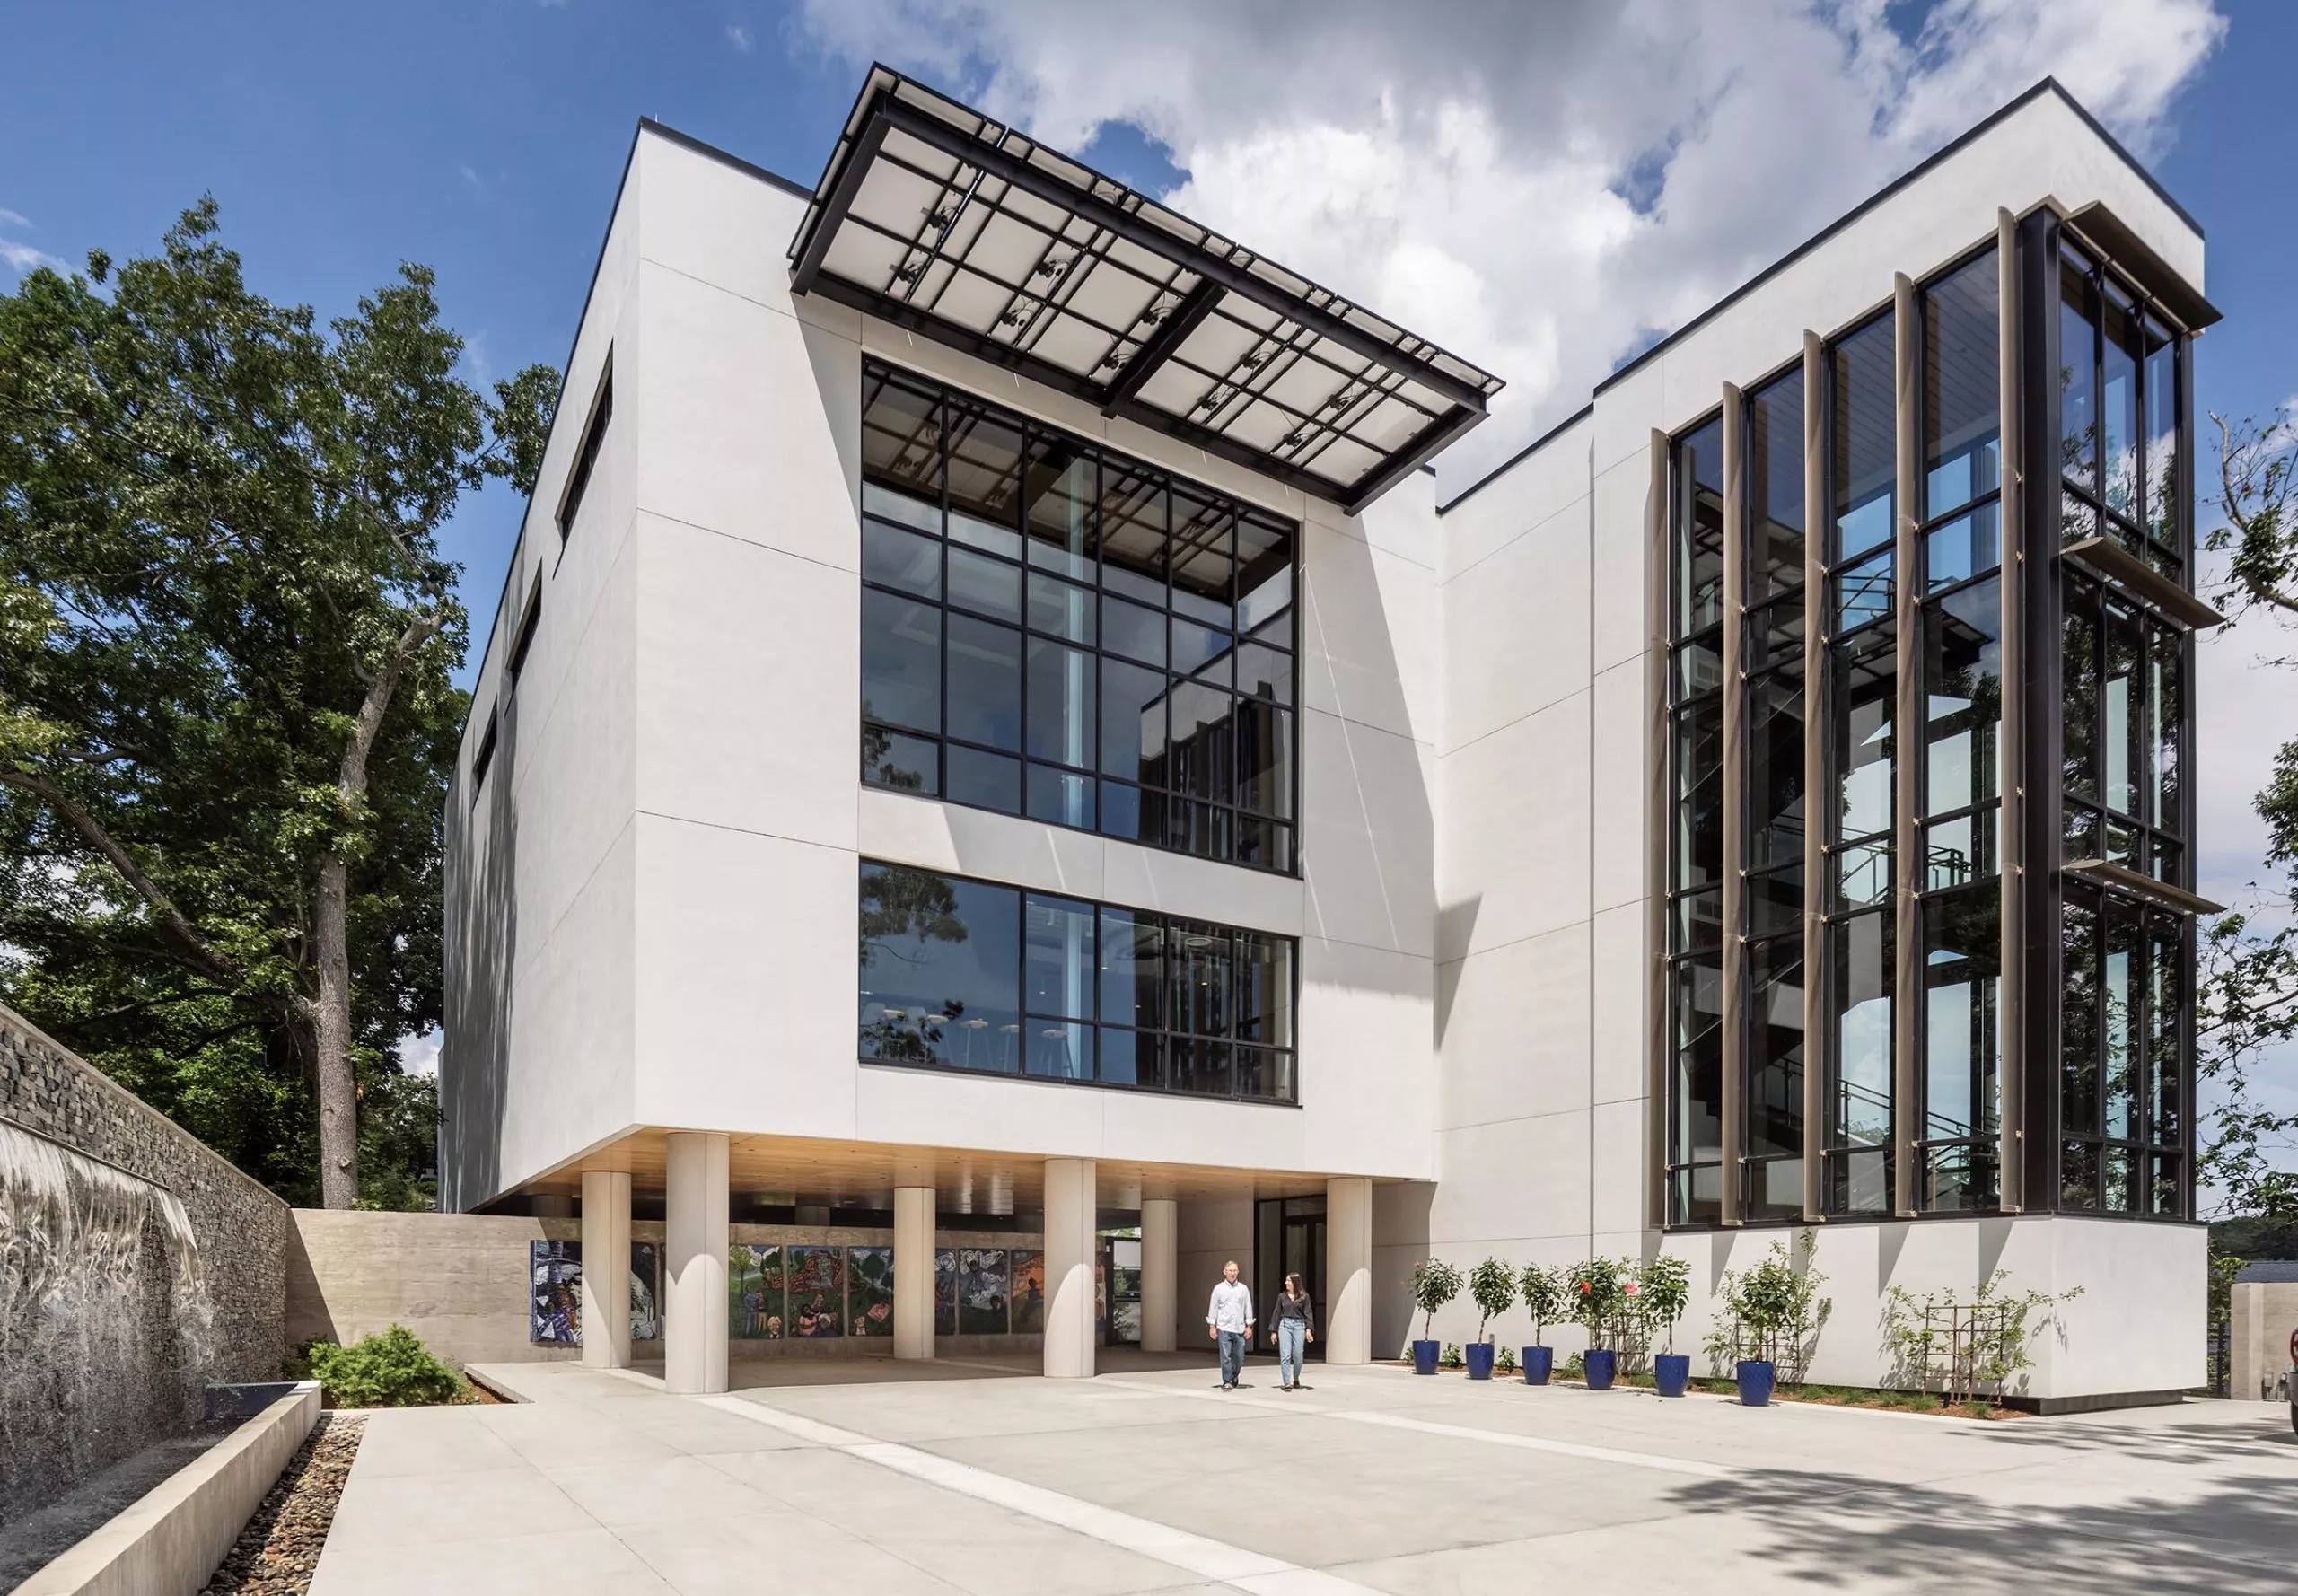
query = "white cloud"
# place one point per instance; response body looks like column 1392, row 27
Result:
column 1540, row 190
column 419, row 1054
column 739, row 37
column 9, row 218
column 23, row 258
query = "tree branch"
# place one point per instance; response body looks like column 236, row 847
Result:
column 205, row 957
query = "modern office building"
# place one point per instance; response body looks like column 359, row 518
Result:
column 988, row 720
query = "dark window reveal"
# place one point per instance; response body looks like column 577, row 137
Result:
column 967, row 974
column 594, row 432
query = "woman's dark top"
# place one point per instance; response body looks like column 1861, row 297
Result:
column 1298, row 1308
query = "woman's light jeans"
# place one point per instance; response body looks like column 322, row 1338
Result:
column 1290, row 1335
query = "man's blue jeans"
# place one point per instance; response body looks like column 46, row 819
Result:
column 1291, row 1334
column 1232, row 1356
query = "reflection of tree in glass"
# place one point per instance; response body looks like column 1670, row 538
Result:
column 876, row 746
column 900, row 904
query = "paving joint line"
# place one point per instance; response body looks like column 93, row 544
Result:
column 1238, row 1568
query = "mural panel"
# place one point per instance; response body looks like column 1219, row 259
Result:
column 754, row 1301
column 945, row 1291
column 981, row 1291
column 645, row 1290
column 817, row 1288
column 870, row 1291
column 1028, row 1292
column 555, row 1293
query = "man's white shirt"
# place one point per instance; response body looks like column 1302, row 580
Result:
column 1233, row 1307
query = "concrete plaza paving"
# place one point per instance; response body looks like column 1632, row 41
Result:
column 973, row 1478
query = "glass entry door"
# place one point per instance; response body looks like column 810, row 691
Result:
column 1288, row 1239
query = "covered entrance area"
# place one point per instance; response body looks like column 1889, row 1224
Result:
column 789, row 1248
column 1289, row 1238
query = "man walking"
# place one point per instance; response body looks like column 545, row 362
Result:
column 1230, row 1321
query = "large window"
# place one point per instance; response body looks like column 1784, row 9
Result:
column 1695, row 831
column 967, row 974
column 1054, row 630
column 2124, row 1016
column 1861, row 765
column 2119, row 408
column 2122, row 1080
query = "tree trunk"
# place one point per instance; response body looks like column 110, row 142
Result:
column 331, row 1039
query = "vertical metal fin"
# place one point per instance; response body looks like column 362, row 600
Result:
column 1816, row 807
column 1659, row 807
column 2011, row 755
column 1735, row 819
column 1906, row 738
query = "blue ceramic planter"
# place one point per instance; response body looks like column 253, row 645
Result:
column 1424, row 1356
column 1600, row 1365
column 1756, row 1379
column 1540, row 1362
column 1671, row 1373
column 1479, row 1355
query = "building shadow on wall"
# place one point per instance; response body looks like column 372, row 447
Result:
column 481, row 951
column 2231, row 1538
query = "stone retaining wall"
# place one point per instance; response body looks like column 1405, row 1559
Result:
column 84, row 1164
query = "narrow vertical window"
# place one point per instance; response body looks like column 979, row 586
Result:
column 1861, row 769
column 1695, row 1134
column 1775, row 811
column 594, row 433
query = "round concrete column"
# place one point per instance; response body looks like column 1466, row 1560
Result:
column 1349, row 1266
column 913, row 1271
column 606, row 1269
column 1160, row 1273
column 1072, row 1237
column 693, row 1260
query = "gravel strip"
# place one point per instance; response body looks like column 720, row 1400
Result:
column 279, row 1550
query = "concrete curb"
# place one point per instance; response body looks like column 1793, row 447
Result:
column 170, row 1541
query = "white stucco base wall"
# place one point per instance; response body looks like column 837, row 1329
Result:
column 2137, row 1326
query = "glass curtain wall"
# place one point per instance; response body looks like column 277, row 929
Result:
column 2111, row 966
column 1695, row 1134
column 1960, row 786
column 1772, row 851
column 1862, row 768
column 2126, row 1018
column 967, row 975
column 1052, row 629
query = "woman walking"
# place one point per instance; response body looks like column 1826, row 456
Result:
column 1296, row 1324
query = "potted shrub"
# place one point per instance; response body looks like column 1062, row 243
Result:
column 1493, row 1288
column 1665, row 1291
column 1594, row 1290
column 1435, row 1282
column 1542, row 1291
column 1768, row 1316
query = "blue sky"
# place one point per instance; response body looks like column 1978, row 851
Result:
column 485, row 138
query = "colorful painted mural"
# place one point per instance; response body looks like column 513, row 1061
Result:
column 981, row 1291
column 869, row 1291
column 817, row 1290
column 645, row 1290
column 1028, row 1299
column 754, row 1302
column 945, row 1291
column 555, row 1293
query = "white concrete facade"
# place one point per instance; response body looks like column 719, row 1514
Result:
column 650, row 893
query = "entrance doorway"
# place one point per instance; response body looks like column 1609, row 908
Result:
column 1288, row 1239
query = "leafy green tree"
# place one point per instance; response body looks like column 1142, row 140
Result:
column 2248, row 984
column 226, row 722
column 1492, row 1286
